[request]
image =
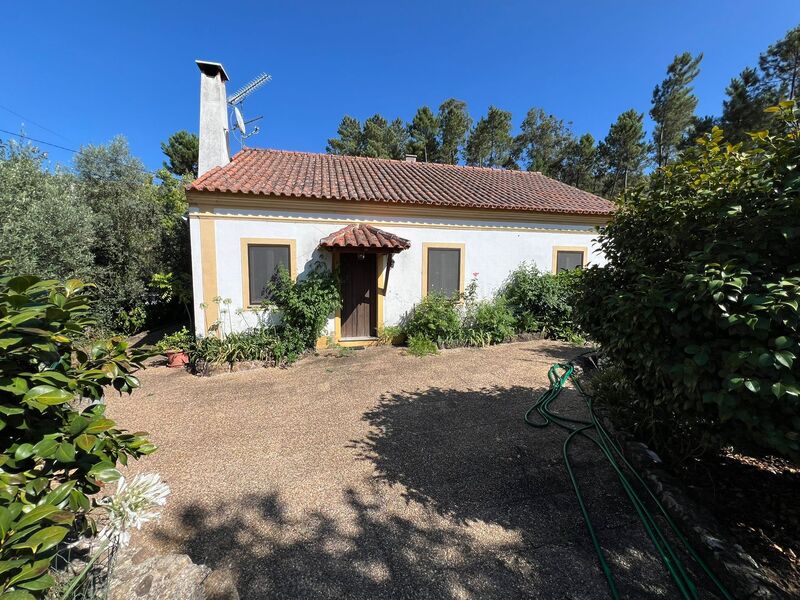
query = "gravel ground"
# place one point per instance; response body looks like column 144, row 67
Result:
column 374, row 474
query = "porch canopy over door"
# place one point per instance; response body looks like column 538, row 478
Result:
column 359, row 246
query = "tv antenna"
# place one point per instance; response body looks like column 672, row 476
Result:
column 236, row 101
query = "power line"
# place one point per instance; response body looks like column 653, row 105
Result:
column 26, row 137
column 31, row 121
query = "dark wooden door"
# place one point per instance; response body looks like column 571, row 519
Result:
column 359, row 288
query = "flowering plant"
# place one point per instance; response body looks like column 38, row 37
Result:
column 134, row 504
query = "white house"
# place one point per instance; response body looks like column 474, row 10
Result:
column 396, row 229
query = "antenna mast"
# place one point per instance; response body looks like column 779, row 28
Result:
column 236, row 102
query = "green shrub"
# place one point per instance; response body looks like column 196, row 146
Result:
column 543, row 303
column 304, row 305
column 390, row 335
column 699, row 300
column 488, row 322
column 434, row 318
column 419, row 345
column 182, row 340
column 55, row 450
column 266, row 344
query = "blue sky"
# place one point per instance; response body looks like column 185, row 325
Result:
column 87, row 71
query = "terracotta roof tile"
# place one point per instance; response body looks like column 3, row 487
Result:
column 360, row 235
column 329, row 176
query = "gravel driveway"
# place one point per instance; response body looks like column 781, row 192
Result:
column 381, row 475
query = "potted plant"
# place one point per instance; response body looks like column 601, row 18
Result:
column 175, row 347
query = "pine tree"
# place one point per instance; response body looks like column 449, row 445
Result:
column 743, row 110
column 674, row 105
column 376, row 137
column 350, row 141
column 490, row 143
column 182, row 149
column 397, row 139
column 454, row 123
column 624, row 151
column 424, row 135
column 580, row 163
column 699, row 127
column 543, row 142
column 780, row 65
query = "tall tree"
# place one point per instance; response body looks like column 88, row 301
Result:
column 580, row 163
column 424, row 135
column 543, row 142
column 674, row 105
column 780, row 65
column 743, row 110
column 350, row 141
column 376, row 137
column 454, row 123
column 490, row 143
column 699, row 127
column 397, row 139
column 624, row 151
column 181, row 149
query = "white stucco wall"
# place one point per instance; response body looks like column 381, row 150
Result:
column 492, row 250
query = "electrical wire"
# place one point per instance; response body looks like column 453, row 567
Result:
column 558, row 375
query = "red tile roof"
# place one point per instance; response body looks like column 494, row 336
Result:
column 359, row 235
column 329, row 176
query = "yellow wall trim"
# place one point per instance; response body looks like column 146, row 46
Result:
column 208, row 256
column 583, row 249
column 356, row 207
column 245, row 242
column 462, row 263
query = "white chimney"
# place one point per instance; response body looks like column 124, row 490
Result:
column 411, row 158
column 214, row 148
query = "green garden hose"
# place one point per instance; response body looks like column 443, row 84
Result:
column 593, row 430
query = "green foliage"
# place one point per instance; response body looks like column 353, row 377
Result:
column 744, row 109
column 181, row 340
column 46, row 226
column 624, row 152
column 434, row 318
column 390, row 335
column 488, row 322
column 424, row 135
column 181, row 150
column 490, row 143
column 543, row 143
column 263, row 343
column 56, row 450
column 419, row 345
column 542, row 302
column 349, row 142
column 304, row 305
column 454, row 124
column 673, row 106
column 780, row 65
column 699, row 300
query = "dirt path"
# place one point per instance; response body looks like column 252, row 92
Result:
column 381, row 475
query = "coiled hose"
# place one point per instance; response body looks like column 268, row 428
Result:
column 593, row 430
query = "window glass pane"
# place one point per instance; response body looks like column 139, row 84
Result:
column 262, row 262
column 444, row 271
column 566, row 260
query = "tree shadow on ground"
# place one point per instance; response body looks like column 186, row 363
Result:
column 467, row 502
column 278, row 555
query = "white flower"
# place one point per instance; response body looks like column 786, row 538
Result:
column 134, row 504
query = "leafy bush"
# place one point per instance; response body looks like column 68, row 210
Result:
column 699, row 300
column 390, row 334
column 183, row 340
column 258, row 344
column 543, row 302
column 434, row 318
column 304, row 305
column 419, row 345
column 488, row 322
column 56, row 451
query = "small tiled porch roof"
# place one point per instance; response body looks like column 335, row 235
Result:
column 359, row 236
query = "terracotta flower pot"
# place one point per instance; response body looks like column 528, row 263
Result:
column 177, row 358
